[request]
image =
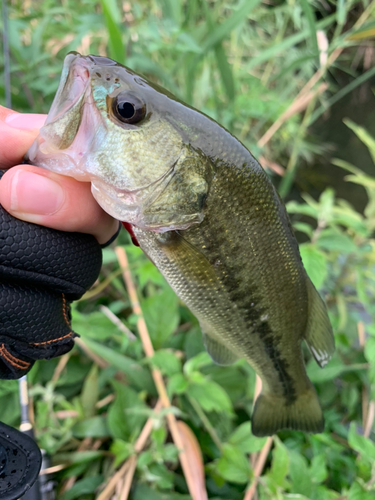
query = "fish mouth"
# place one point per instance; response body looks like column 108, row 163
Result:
column 74, row 83
column 62, row 133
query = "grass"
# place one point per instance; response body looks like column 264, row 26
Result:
column 256, row 68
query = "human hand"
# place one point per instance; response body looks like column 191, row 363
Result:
column 36, row 195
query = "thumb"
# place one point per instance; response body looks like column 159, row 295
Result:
column 17, row 133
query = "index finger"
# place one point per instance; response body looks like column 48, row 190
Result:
column 17, row 133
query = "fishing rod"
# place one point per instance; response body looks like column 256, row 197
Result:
column 9, row 438
column 43, row 488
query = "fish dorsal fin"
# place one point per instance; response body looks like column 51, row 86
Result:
column 318, row 335
column 220, row 354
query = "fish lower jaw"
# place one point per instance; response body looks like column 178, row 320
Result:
column 128, row 209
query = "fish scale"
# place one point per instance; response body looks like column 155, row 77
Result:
column 205, row 212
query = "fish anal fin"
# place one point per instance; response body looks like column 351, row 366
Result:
column 318, row 335
column 273, row 413
column 220, row 354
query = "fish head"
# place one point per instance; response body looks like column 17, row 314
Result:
column 112, row 127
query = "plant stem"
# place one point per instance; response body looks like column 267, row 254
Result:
column 205, row 421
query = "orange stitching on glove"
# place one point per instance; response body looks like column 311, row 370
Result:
column 53, row 340
column 18, row 363
column 64, row 311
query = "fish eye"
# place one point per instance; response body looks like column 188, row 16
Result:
column 128, row 108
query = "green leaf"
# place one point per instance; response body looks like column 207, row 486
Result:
column 122, row 450
column 334, row 369
column 79, row 457
column 245, row 441
column 315, row 264
column 161, row 315
column 167, row 362
column 358, row 492
column 233, row 465
column 298, row 208
column 199, row 361
column 303, row 227
column 299, row 474
column 127, row 414
column 90, row 392
column 95, row 325
column 138, row 375
column 112, row 19
column 361, row 444
column 310, row 16
column 335, row 240
column 318, row 468
column 280, row 463
column 177, row 384
column 210, row 396
column 83, row 487
column 364, row 136
column 91, row 427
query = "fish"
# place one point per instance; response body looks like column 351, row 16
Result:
column 206, row 214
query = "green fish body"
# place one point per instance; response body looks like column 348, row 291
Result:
column 204, row 211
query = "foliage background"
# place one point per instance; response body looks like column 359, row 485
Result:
column 244, row 63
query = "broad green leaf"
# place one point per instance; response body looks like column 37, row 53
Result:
column 233, row 465
column 79, row 457
column 82, row 487
column 333, row 370
column 199, row 361
column 361, row 444
column 299, row 474
column 91, row 427
column 167, row 362
column 161, row 314
column 280, row 464
column 318, row 468
column 126, row 415
column 143, row 492
column 95, row 325
column 177, row 384
column 122, row 450
column 210, row 396
column 335, row 240
column 358, row 492
column 245, row 441
column 315, row 264
column 298, row 208
column 303, row 227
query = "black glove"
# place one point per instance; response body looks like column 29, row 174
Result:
column 20, row 461
column 41, row 271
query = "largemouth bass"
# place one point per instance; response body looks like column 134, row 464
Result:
column 204, row 211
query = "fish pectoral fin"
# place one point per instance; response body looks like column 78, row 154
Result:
column 220, row 354
column 318, row 335
column 273, row 413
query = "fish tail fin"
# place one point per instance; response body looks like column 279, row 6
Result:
column 272, row 413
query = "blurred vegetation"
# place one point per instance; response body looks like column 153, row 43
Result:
column 247, row 64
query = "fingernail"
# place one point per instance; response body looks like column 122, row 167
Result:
column 25, row 121
column 33, row 194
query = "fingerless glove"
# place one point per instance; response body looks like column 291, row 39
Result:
column 42, row 271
